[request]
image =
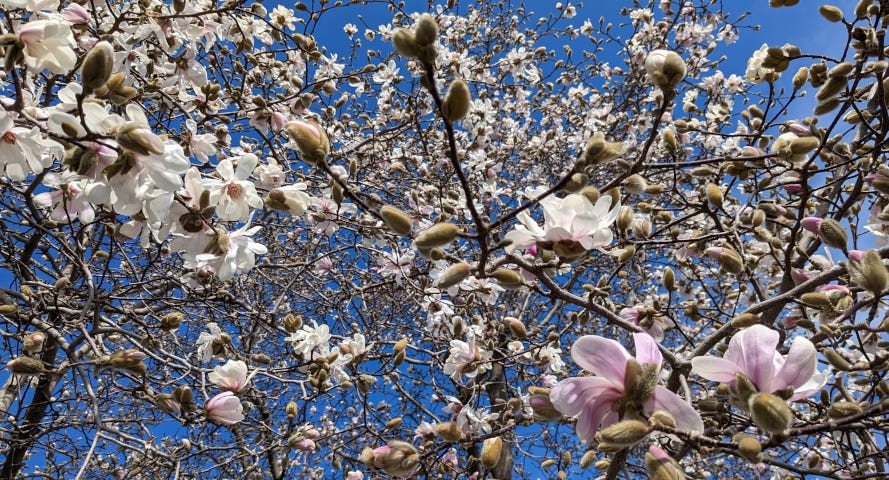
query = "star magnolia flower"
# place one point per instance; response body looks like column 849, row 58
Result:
column 225, row 408
column 232, row 376
column 612, row 394
column 752, row 353
column 238, row 253
column 572, row 225
column 46, row 45
column 235, row 194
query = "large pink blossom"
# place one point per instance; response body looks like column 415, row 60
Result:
column 601, row 400
column 753, row 353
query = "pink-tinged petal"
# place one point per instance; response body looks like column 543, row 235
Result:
column 597, row 414
column 754, row 350
column 687, row 418
column 799, row 366
column 601, row 356
column 570, row 396
column 811, row 223
column 810, row 387
column 646, row 349
column 715, row 369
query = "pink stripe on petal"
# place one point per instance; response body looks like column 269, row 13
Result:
column 646, row 349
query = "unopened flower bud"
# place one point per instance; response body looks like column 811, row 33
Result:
column 743, row 388
column 661, row 466
column 635, row 184
column 770, row 412
column 171, row 321
column 34, row 342
column 127, row 358
column 799, row 79
column 491, row 450
column 622, row 435
column 668, row 279
column 449, row 431
column 397, row 221
column 844, row 409
column 508, row 279
column 166, row 403
column 311, row 140
column 831, row 13
column 436, row 236
column 745, row 320
column 662, row 418
column 97, row 66
column 870, row 273
column 26, row 366
column 290, row 410
column 836, row 360
column 457, row 102
column 588, row 458
column 832, row 233
column 405, row 43
column 749, row 448
column 139, row 139
column 183, row 394
column 453, row 275
column 292, row 323
column 399, row 459
column 426, row 30
column 727, row 258
column 542, row 406
column 714, row 195
column 393, row 423
column 624, row 217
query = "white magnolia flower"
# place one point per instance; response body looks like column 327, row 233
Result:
column 234, row 195
column 237, row 253
column 20, row 150
column 232, row 376
column 206, row 341
column 47, row 44
column 572, row 226
column 68, row 201
column 311, row 338
column 467, row 359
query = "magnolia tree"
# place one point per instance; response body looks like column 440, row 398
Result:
column 480, row 242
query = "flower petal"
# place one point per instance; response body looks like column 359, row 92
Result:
column 715, row 369
column 754, row 350
column 601, row 356
column 799, row 366
column 646, row 349
column 686, row 416
column 571, row 395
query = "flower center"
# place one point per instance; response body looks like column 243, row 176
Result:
column 9, row 137
column 233, row 190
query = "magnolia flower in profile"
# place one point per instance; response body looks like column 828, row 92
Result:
column 225, row 408
column 621, row 387
column 232, row 376
column 752, row 353
column 572, row 226
column 308, row 339
column 46, row 45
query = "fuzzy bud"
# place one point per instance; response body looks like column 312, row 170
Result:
column 34, row 342
column 803, row 145
column 425, row 30
column 624, row 217
column 598, row 150
column 661, row 465
column 453, row 275
column 139, row 139
column 292, row 323
column 749, row 448
column 399, row 459
column 770, row 412
column 836, row 360
column 167, row 404
column 799, row 79
column 26, row 366
column 622, row 435
column 668, row 279
column 97, row 65
column 831, row 13
column 745, row 320
column 491, row 450
column 844, row 409
column 870, row 273
column 635, row 184
column 588, row 458
column 127, row 358
column 727, row 258
column 405, row 43
column 290, row 410
column 833, row 234
column 508, row 279
column 183, row 394
column 397, row 221
column 449, row 431
column 542, row 406
column 437, row 236
column 171, row 321
column 457, row 102
column 311, row 140
column 662, row 418
column 714, row 195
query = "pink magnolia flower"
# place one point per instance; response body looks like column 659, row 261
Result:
column 604, row 398
column 753, row 353
column 225, row 408
column 572, row 226
column 232, row 376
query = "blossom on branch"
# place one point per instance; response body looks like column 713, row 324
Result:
column 622, row 386
column 753, row 353
column 225, row 408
